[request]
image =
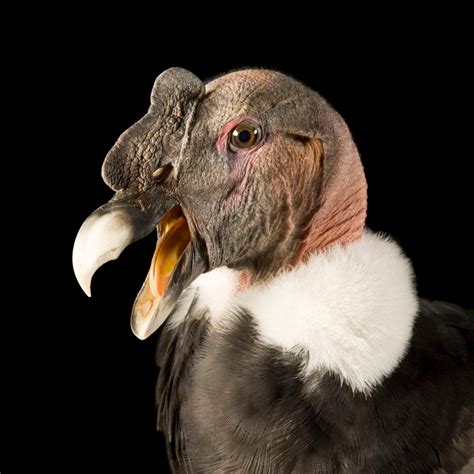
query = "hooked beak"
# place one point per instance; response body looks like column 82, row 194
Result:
column 176, row 262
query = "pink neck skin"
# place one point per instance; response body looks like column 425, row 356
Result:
column 340, row 219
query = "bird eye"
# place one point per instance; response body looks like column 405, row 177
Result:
column 245, row 135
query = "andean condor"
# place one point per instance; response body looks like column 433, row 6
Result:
column 293, row 339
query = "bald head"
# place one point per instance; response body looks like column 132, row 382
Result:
column 263, row 170
column 299, row 188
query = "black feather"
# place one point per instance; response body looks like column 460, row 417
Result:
column 229, row 403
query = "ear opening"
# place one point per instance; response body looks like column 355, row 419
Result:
column 315, row 143
column 299, row 138
column 314, row 151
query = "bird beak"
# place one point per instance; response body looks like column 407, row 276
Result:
column 175, row 263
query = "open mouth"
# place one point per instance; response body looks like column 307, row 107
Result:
column 177, row 261
column 173, row 238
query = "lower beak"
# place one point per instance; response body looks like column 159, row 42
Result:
column 175, row 263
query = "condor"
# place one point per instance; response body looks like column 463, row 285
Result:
column 293, row 339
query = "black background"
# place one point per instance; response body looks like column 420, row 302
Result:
column 405, row 96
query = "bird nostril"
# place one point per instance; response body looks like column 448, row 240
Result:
column 161, row 173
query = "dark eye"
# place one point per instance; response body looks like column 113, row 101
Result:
column 245, row 135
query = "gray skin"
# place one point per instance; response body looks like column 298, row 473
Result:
column 254, row 220
column 299, row 189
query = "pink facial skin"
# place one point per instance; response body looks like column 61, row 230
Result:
column 326, row 199
column 242, row 161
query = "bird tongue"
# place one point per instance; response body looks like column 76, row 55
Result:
column 174, row 237
column 168, row 251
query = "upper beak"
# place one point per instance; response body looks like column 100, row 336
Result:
column 175, row 264
column 180, row 255
column 104, row 235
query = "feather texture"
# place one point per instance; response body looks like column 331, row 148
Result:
column 239, row 405
column 350, row 309
column 266, row 381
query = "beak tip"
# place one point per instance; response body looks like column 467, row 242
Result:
column 85, row 285
column 83, row 277
column 140, row 332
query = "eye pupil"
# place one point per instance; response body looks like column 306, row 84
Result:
column 245, row 136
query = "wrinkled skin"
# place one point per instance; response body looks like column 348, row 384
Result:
column 251, row 208
column 260, row 210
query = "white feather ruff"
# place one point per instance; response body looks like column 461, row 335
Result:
column 351, row 309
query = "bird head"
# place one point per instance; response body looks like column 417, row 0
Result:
column 253, row 171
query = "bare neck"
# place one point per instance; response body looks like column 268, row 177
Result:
column 341, row 216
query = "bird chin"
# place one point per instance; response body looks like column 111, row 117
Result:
column 175, row 264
